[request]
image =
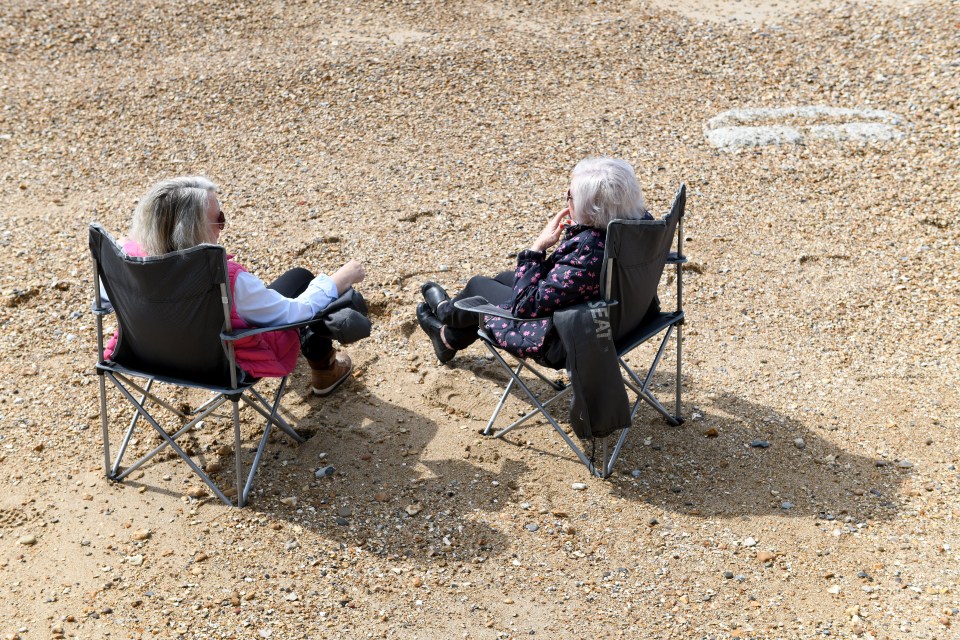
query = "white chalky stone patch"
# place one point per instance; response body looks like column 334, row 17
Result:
column 740, row 128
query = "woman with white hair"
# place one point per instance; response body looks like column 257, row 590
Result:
column 601, row 190
column 180, row 213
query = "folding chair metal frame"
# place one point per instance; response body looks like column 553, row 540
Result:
column 239, row 386
column 661, row 322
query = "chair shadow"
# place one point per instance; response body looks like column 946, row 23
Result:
column 386, row 495
column 716, row 465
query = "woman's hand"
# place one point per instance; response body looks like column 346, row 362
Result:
column 551, row 232
column 347, row 276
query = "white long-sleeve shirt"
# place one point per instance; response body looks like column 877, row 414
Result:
column 261, row 306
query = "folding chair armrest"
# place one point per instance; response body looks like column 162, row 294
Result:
column 230, row 336
column 479, row 304
column 673, row 258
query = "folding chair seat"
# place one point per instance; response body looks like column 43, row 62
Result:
column 636, row 253
column 173, row 313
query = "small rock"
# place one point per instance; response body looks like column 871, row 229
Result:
column 728, row 575
column 749, row 542
column 200, row 557
column 136, row 560
column 291, row 545
column 765, row 556
column 196, row 492
column 578, row 486
column 28, row 540
column 532, row 528
column 711, row 432
column 142, row 534
column 290, row 501
column 635, row 473
column 324, row 472
column 799, row 443
column 413, row 509
column 344, row 512
column 904, row 464
column 760, row 444
column 292, row 596
column 834, row 590
column 786, row 505
column 381, row 497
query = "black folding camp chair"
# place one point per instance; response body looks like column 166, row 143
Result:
column 636, row 253
column 173, row 313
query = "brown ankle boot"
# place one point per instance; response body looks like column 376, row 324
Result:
column 326, row 376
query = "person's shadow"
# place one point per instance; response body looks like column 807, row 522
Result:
column 389, row 493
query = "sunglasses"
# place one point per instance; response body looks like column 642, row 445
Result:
column 221, row 220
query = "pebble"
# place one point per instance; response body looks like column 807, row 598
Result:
column 196, row 492
column 800, row 443
column 290, row 501
column 749, row 542
column 141, row 534
column 834, row 589
column 532, row 527
column 904, row 464
column 712, row 432
column 578, row 486
column 765, row 556
column 635, row 473
column 136, row 560
column 413, row 509
column 760, row 444
column 324, row 472
column 786, row 505
column 344, row 512
column 27, row 540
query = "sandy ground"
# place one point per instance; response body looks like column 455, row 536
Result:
column 431, row 140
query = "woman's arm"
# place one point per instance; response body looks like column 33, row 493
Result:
column 570, row 276
column 261, row 306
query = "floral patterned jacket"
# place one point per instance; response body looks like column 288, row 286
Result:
column 542, row 284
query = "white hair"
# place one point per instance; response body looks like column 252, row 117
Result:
column 606, row 189
column 173, row 215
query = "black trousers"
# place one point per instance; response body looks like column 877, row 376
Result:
column 464, row 323
column 291, row 284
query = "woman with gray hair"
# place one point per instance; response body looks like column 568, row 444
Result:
column 180, row 213
column 601, row 190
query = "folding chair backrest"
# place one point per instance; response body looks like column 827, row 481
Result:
column 634, row 258
column 169, row 309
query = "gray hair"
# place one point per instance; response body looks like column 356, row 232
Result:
column 606, row 189
column 173, row 215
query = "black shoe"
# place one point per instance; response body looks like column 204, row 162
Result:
column 432, row 327
column 434, row 295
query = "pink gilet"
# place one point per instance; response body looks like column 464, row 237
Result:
column 265, row 355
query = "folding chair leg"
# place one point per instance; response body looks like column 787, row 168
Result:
column 103, row 423
column 679, row 361
column 169, row 441
column 129, row 433
column 273, row 417
column 237, row 452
